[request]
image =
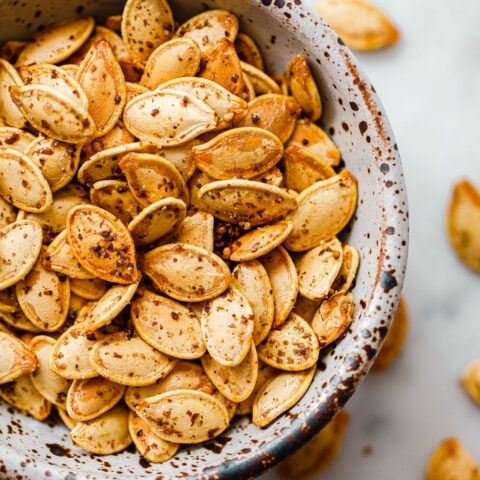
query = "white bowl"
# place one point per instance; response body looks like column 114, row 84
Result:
column 354, row 117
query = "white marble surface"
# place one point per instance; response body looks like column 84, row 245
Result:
column 430, row 86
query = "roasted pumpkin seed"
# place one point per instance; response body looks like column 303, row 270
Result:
column 279, row 394
column 118, row 136
column 104, row 435
column 15, row 358
column 259, row 242
column 248, row 51
column 22, row 183
column 324, row 209
column 229, row 405
column 8, row 300
column 306, row 308
column 273, row 112
column 103, row 81
column 44, row 297
column 69, row 357
column 15, row 138
column 56, row 78
column 57, row 42
column 102, row 244
column 333, row 317
column 240, row 152
column 209, row 27
column 251, row 279
column 19, row 321
column 303, row 87
column 109, row 306
column 284, row 280
column 184, row 416
column 66, row 419
column 53, row 387
column 180, row 157
column 168, row 117
column 20, row 244
column 54, row 114
column 8, row 213
column 185, row 272
column 293, row 346
column 261, row 82
column 236, row 201
column 90, row 398
column 228, row 341
column 235, row 383
column 150, row 446
column 89, row 289
column 177, row 58
column 361, row 25
column 318, row 268
column 9, row 112
column 346, row 275
column 198, row 230
column 167, row 325
column 146, row 24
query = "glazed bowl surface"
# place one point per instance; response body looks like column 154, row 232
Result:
column 354, row 117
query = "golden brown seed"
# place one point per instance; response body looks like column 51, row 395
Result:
column 283, row 277
column 24, row 239
column 221, row 64
column 180, row 157
column 44, row 297
column 395, row 339
column 146, row 24
column 9, row 112
column 132, row 70
column 198, row 230
column 114, row 22
column 157, row 220
column 196, row 182
column 19, row 321
column 15, row 138
column 184, row 376
column 324, row 209
column 123, row 357
column 273, row 177
column 312, row 138
column 361, row 25
column 150, row 446
column 333, row 317
column 52, row 386
column 8, row 214
column 303, row 168
column 8, row 300
column 235, row 383
column 167, row 325
column 185, row 272
column 69, row 357
column 22, row 183
column 66, row 419
column 227, row 327
column 319, row 452
column 15, row 358
column 54, row 114
column 177, row 58
column 279, row 394
column 209, row 27
column 318, row 268
column 303, row 87
column 471, row 381
column 89, row 289
column 185, row 416
column 463, row 223
column 115, row 197
column 11, row 49
column 251, row 279
column 306, row 308
column 104, row 435
column 90, row 398
column 57, row 42
column 109, row 306
column 152, row 178
column 261, row 82
column 273, row 112
column 168, row 117
column 102, row 244
column 259, row 242
column 228, row 404
column 236, row 201
column 346, row 275
column 22, row 394
column 56, row 78
column 238, row 153
column 452, row 461
column 118, row 136
column 293, row 346
column 58, row 161
column 248, row 51
column 103, row 81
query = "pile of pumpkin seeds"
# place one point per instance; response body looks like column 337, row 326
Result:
column 168, row 230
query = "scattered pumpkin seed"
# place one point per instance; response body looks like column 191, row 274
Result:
column 15, row 358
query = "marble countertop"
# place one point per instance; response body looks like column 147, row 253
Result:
column 430, row 86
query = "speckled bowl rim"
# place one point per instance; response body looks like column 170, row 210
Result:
column 393, row 250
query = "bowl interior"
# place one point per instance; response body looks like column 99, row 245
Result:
column 355, row 120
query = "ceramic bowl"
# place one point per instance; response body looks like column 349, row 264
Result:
column 355, row 119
